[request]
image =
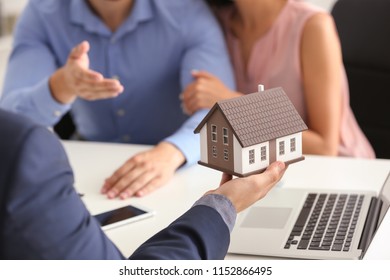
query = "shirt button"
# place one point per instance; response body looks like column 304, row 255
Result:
column 126, row 138
column 57, row 113
column 121, row 112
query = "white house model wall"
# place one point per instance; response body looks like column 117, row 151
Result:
column 203, row 145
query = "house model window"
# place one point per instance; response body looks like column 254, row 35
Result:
column 225, row 136
column 225, row 154
column 215, row 151
column 263, row 153
column 281, row 148
column 213, row 133
column 251, row 156
column 257, row 129
column 292, row 145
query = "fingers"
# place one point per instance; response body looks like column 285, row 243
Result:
column 83, row 75
column 116, row 176
column 197, row 95
column 204, row 92
column 198, row 101
column 225, row 178
column 93, row 90
column 202, row 74
column 78, row 51
column 203, row 83
column 188, row 91
column 275, row 172
column 137, row 181
column 86, row 83
column 150, row 187
column 243, row 192
column 266, row 180
column 91, row 85
column 192, row 105
column 144, row 172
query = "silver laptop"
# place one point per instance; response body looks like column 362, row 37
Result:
column 307, row 224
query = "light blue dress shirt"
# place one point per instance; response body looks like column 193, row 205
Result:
column 152, row 54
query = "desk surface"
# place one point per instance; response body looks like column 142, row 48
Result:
column 93, row 162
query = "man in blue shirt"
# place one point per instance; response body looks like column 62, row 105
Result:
column 120, row 67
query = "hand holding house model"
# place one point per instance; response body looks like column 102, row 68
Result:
column 244, row 135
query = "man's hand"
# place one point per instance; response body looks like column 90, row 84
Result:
column 243, row 192
column 75, row 79
column 144, row 172
column 204, row 92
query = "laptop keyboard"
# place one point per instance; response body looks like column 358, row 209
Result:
column 326, row 222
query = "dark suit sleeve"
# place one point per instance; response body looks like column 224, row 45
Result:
column 45, row 218
column 200, row 233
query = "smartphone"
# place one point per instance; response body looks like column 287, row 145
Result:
column 121, row 216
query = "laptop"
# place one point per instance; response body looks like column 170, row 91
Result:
column 307, row 224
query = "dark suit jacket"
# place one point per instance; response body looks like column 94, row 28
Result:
column 42, row 216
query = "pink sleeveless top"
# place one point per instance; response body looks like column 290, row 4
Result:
column 275, row 62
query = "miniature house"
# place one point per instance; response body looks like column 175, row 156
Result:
column 243, row 135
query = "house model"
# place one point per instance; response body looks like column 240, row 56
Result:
column 243, row 135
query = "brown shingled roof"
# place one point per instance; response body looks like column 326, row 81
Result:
column 259, row 117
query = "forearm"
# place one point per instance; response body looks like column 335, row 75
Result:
column 26, row 88
column 60, row 89
column 314, row 143
column 35, row 102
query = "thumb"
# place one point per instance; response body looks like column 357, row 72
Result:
column 274, row 172
column 79, row 50
column 225, row 178
column 202, row 74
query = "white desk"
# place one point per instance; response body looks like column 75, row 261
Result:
column 93, row 162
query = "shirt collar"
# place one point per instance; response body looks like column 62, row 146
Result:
column 81, row 14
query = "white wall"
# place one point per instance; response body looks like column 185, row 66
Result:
column 12, row 6
column 9, row 9
column 5, row 48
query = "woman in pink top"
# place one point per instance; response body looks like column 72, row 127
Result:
column 289, row 44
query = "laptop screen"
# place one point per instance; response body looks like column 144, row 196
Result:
column 384, row 196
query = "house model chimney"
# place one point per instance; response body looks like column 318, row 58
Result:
column 260, row 87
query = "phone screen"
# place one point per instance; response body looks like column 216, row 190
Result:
column 121, row 216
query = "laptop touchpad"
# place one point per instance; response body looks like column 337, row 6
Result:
column 266, row 217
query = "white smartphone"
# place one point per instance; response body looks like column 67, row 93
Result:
column 121, row 216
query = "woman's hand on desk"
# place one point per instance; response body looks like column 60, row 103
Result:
column 144, row 172
column 243, row 192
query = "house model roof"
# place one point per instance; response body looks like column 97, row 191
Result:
column 259, row 117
